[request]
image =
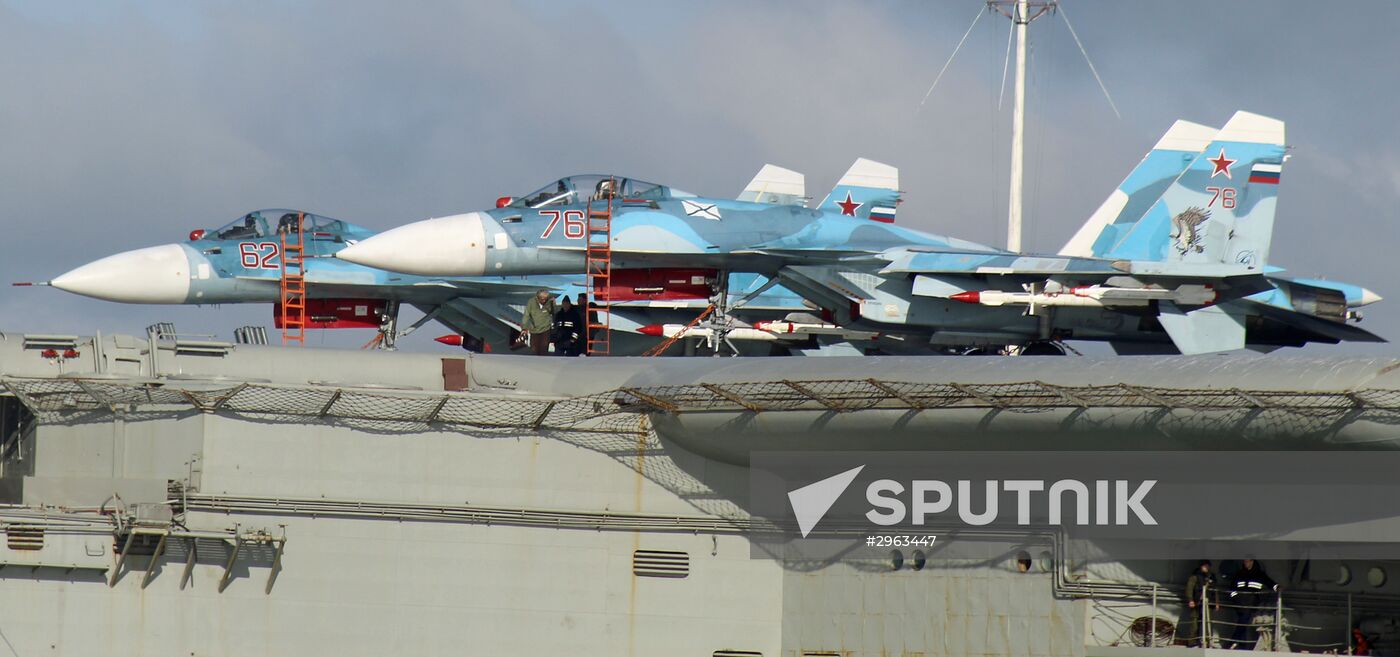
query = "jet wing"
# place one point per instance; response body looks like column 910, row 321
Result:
column 750, row 261
column 754, row 259
column 433, row 292
column 910, row 261
column 487, row 319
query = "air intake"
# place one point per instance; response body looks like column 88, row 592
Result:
column 660, row 563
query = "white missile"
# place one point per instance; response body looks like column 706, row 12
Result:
column 813, row 328
column 672, row 330
column 1093, row 296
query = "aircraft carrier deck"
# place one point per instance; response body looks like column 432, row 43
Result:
column 177, row 496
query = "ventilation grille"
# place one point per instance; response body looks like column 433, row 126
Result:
column 660, row 563
column 24, row 538
column 736, row 653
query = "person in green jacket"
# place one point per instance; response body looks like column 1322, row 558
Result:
column 1200, row 592
column 538, row 321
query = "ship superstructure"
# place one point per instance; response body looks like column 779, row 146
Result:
column 172, row 496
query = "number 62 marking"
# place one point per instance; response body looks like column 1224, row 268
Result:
column 258, row 255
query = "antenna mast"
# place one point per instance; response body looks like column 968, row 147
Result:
column 1021, row 13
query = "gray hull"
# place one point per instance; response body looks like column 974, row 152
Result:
column 316, row 502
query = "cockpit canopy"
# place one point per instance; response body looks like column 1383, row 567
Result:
column 581, row 189
column 268, row 223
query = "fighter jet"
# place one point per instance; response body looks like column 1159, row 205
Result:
column 1152, row 216
column 241, row 262
column 1178, row 255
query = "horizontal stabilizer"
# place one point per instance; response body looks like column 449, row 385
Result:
column 1202, row 331
column 777, row 186
column 1316, row 328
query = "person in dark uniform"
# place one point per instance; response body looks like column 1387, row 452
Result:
column 568, row 327
column 589, row 316
column 1253, row 588
column 1201, row 590
column 248, row 229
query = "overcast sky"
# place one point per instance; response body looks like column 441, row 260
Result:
column 126, row 124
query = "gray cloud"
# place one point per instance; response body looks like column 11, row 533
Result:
column 131, row 126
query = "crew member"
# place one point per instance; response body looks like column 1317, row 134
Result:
column 1201, row 591
column 1253, row 588
column 287, row 224
column 567, row 326
column 605, row 190
column 537, row 322
column 590, row 316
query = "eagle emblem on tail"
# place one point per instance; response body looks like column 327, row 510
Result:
column 1186, row 229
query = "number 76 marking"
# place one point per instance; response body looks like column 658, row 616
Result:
column 574, row 225
column 1226, row 196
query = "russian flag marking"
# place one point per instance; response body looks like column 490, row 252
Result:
column 882, row 214
column 1267, row 174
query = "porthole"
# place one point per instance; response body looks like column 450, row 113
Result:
column 1046, row 562
column 1343, row 575
column 1023, row 562
column 896, row 559
column 1375, row 576
column 918, row 560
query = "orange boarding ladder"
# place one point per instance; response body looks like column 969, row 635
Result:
column 598, row 267
column 293, row 285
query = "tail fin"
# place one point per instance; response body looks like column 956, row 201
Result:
column 1221, row 208
column 869, row 190
column 777, row 186
column 1144, row 185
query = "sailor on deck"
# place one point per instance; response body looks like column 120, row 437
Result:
column 1253, row 588
column 538, row 321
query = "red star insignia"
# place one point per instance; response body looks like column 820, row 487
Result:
column 848, row 207
column 1222, row 165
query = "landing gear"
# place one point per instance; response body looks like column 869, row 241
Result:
column 388, row 331
column 1042, row 349
column 722, row 322
column 1037, row 348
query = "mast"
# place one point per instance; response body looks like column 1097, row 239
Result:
column 1020, row 13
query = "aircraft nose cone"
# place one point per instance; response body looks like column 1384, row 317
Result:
column 447, row 246
column 1368, row 297
column 157, row 274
